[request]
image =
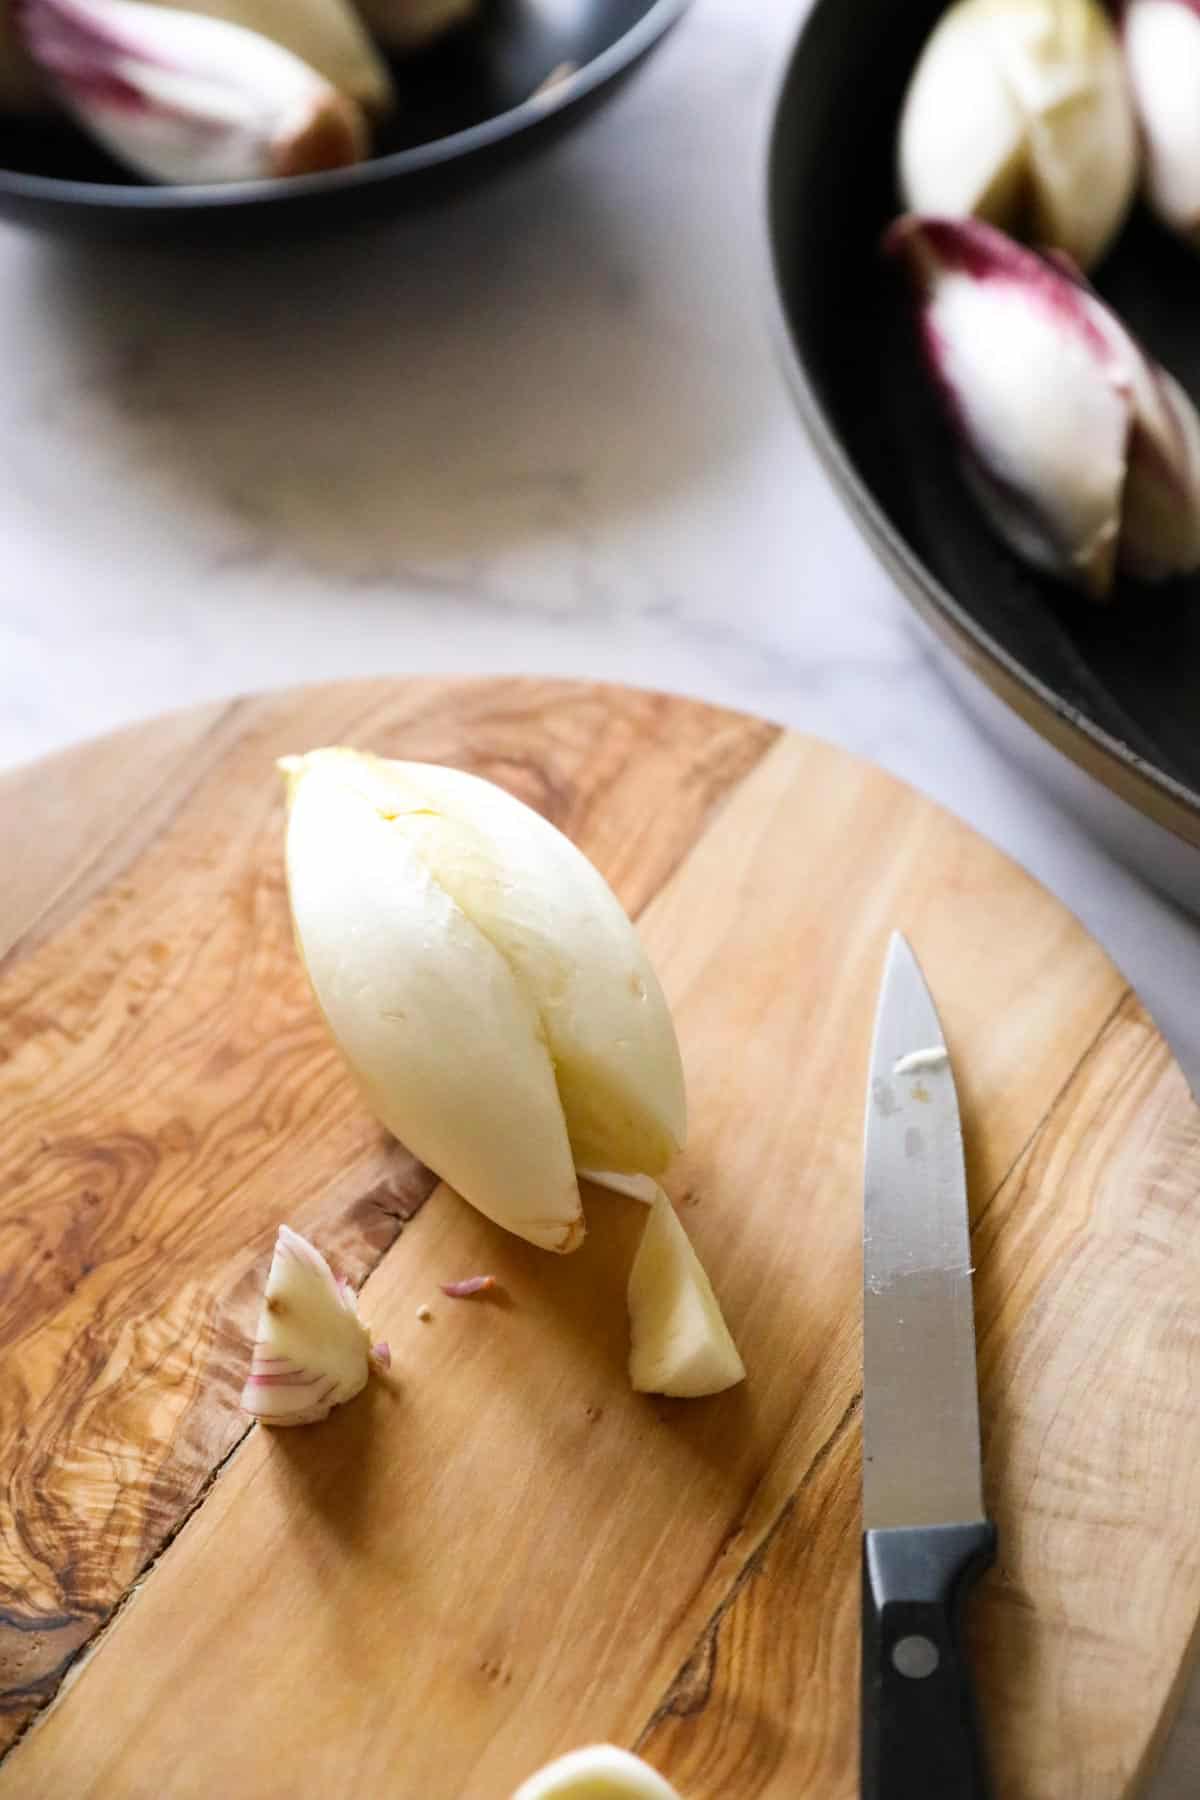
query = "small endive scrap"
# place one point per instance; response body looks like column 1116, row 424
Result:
column 1083, row 452
column 311, row 1351
column 181, row 97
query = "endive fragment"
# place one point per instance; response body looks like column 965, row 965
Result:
column 311, row 1351
column 679, row 1341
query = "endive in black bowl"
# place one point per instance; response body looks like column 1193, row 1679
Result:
column 494, row 90
column 1104, row 702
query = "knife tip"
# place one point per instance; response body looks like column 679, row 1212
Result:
column 899, row 947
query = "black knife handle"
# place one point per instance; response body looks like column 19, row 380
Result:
column 920, row 1732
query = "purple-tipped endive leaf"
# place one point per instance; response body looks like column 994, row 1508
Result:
column 185, row 98
column 1083, row 452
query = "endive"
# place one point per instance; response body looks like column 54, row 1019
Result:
column 484, row 984
column 1083, row 452
column 1019, row 113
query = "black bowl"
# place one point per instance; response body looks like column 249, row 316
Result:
column 1118, row 689
column 467, row 106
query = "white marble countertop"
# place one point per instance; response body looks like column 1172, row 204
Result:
column 542, row 430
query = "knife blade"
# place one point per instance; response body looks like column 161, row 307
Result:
column 926, row 1535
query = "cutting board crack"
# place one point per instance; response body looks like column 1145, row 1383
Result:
column 689, row 1691
column 1058, row 1099
column 109, row 856
column 73, row 1665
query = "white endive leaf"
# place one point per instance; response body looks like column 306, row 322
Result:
column 1162, row 50
column 185, row 98
column 679, row 1341
column 444, row 1040
column 311, row 1351
column 328, row 35
column 599, row 1772
column 1019, row 113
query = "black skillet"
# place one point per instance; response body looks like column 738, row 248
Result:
column 1117, row 690
column 466, row 108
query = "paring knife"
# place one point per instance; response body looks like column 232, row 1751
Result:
column 926, row 1537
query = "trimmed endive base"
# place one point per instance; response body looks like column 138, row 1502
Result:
column 599, row 1772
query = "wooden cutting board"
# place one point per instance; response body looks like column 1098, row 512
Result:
column 503, row 1552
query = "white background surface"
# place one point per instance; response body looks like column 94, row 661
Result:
column 543, row 430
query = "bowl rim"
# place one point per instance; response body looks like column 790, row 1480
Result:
column 416, row 159
column 1170, row 802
